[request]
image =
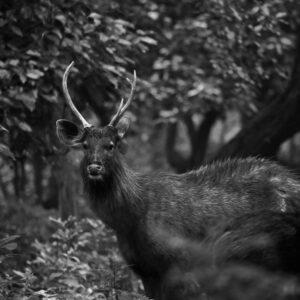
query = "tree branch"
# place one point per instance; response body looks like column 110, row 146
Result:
column 202, row 138
column 174, row 158
column 273, row 125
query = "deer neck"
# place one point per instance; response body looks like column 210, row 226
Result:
column 117, row 198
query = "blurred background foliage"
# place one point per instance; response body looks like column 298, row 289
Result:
column 216, row 78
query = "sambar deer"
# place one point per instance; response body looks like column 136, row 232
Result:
column 148, row 212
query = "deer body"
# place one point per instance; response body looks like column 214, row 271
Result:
column 147, row 210
column 156, row 215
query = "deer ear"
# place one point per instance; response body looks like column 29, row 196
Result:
column 68, row 132
column 122, row 127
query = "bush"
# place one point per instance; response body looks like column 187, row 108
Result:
column 79, row 261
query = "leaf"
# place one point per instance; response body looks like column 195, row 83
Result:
column 4, row 74
column 11, row 246
column 16, row 30
column 96, row 18
column 5, row 151
column 76, row 259
column 28, row 99
column 265, row 9
column 53, row 98
column 5, row 100
column 33, row 53
column 154, row 15
column 148, row 40
column 168, row 113
column 20, row 73
column 61, row 18
column 34, row 74
column 45, row 294
column 255, row 10
column 3, row 22
column 3, row 129
column 161, row 64
column 66, row 42
column 20, row 274
column 88, row 28
column 236, row 14
column 287, row 41
column 53, row 38
column 196, row 91
column 258, row 28
column 57, row 33
column 124, row 42
column 58, row 222
column 71, row 282
column 55, row 275
column 280, row 15
column 94, row 15
column 14, row 62
column 24, row 126
column 8, row 239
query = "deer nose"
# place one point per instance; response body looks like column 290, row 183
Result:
column 94, row 169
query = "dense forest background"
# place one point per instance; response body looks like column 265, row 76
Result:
column 216, row 79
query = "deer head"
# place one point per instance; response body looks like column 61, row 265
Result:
column 101, row 145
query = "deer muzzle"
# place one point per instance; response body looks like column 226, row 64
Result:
column 95, row 171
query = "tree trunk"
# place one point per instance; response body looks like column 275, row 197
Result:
column 3, row 187
column 66, row 196
column 273, row 125
column 51, row 197
column 38, row 166
column 174, row 158
column 199, row 138
column 16, row 180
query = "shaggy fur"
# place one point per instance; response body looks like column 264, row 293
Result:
column 159, row 218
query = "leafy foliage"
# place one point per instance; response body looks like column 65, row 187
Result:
column 207, row 58
column 222, row 54
column 79, row 261
column 201, row 56
column 38, row 40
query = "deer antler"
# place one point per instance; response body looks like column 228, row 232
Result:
column 122, row 107
column 69, row 99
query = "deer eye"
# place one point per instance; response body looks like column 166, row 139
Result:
column 85, row 145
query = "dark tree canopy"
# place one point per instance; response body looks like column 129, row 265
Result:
column 216, row 79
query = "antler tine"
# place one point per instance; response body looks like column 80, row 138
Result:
column 122, row 108
column 116, row 116
column 133, row 87
column 69, row 99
